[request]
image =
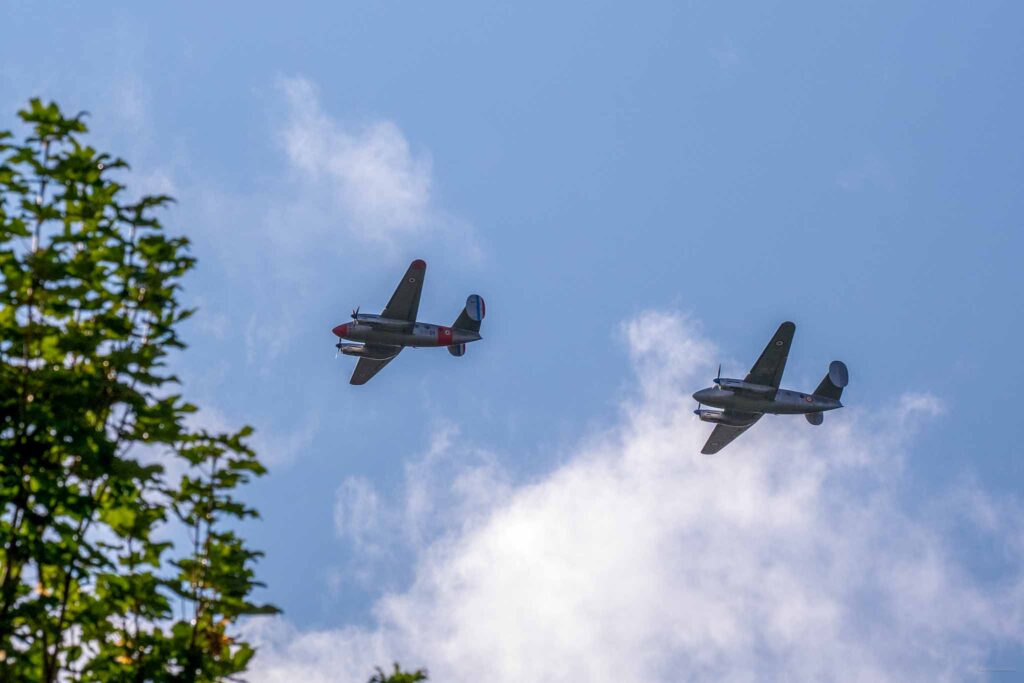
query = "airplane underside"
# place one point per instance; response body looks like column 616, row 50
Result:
column 446, row 337
column 785, row 402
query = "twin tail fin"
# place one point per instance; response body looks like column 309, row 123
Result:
column 836, row 378
column 471, row 315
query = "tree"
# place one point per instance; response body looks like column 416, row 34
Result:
column 398, row 676
column 93, row 584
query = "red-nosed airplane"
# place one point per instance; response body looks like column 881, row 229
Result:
column 382, row 337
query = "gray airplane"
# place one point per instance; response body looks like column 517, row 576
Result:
column 743, row 402
column 382, row 337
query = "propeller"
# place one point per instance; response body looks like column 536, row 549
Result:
column 355, row 313
column 718, row 377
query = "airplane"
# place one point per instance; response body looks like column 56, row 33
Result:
column 382, row 337
column 743, row 402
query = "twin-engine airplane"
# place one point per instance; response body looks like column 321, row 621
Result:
column 383, row 336
column 743, row 402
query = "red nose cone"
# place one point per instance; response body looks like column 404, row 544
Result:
column 340, row 330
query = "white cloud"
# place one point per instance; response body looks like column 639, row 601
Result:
column 131, row 102
column 266, row 337
column 369, row 172
column 154, row 182
column 285, row 446
column 274, row 447
column 449, row 482
column 344, row 188
column 357, row 513
column 788, row 556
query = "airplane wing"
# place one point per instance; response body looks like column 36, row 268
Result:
column 405, row 302
column 768, row 368
column 366, row 368
column 722, row 436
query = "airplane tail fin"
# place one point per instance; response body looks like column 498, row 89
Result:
column 834, row 381
column 471, row 315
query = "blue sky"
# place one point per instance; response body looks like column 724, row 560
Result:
column 583, row 166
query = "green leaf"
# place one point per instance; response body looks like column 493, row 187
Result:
column 87, row 321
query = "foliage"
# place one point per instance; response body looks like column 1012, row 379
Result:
column 398, row 676
column 110, row 569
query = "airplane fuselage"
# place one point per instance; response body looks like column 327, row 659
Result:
column 785, row 402
column 415, row 334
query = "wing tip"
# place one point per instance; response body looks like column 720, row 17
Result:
column 418, row 264
column 712, row 445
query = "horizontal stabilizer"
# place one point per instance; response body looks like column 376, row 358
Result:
column 837, row 378
column 815, row 418
column 457, row 350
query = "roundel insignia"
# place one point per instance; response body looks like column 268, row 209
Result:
column 778, row 343
column 809, row 399
column 412, row 279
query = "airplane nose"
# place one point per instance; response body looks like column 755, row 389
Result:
column 340, row 330
column 701, row 395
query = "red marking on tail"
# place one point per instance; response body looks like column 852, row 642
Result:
column 444, row 336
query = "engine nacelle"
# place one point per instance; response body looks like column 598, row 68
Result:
column 364, row 351
column 720, row 417
column 381, row 322
column 352, row 349
column 740, row 385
